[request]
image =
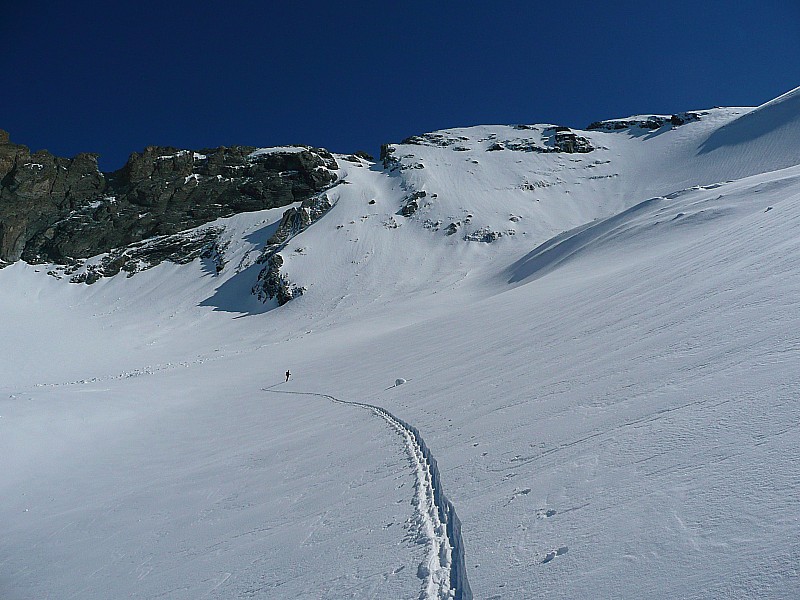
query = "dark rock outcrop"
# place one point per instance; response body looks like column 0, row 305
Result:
column 387, row 157
column 179, row 248
column 54, row 209
column 39, row 189
column 651, row 122
column 411, row 203
column 486, row 235
column 358, row 158
column 682, row 118
column 550, row 139
column 272, row 283
column 434, row 139
column 555, row 139
column 296, row 220
column 567, row 140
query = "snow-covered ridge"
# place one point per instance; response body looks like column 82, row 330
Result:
column 517, row 186
column 772, row 130
column 255, row 154
column 520, row 138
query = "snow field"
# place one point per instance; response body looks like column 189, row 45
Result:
column 432, row 508
column 137, row 503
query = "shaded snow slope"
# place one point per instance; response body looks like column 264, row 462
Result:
column 767, row 136
column 609, row 392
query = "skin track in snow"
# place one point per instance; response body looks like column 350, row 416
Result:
column 443, row 571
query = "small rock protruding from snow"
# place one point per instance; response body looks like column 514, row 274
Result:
column 411, row 203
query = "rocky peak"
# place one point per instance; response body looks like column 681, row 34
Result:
column 55, row 209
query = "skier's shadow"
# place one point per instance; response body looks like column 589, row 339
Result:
column 266, row 389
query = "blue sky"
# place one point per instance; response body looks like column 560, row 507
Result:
column 114, row 77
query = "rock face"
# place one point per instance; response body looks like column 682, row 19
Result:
column 272, row 284
column 37, row 190
column 180, row 248
column 543, row 139
column 54, row 209
column 411, row 203
column 651, row 122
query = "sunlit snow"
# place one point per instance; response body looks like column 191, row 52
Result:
column 609, row 393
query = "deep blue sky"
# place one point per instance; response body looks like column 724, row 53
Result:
column 113, row 77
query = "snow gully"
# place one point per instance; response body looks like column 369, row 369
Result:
column 443, row 570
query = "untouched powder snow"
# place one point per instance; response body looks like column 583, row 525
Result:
column 609, row 392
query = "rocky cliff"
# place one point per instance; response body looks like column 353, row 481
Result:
column 55, row 209
column 272, row 283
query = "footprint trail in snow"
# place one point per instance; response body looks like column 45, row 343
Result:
column 443, row 569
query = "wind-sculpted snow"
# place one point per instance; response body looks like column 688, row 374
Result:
column 775, row 125
column 444, row 571
column 673, row 210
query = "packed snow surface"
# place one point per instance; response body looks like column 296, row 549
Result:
column 603, row 386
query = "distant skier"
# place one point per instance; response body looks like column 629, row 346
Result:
column 288, row 374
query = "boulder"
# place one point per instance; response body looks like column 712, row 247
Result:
column 567, row 140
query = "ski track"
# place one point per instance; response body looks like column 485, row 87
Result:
column 443, row 569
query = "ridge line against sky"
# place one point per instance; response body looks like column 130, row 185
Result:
column 111, row 79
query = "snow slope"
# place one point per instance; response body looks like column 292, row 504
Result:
column 762, row 139
column 609, row 393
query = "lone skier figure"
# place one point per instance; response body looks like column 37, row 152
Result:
column 288, row 374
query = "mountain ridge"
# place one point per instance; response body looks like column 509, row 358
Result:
column 149, row 211
column 61, row 210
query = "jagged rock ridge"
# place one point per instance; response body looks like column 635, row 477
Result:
column 54, row 209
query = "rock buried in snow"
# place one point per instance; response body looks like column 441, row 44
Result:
column 399, row 382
